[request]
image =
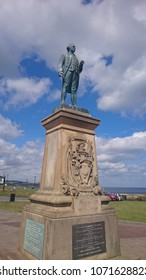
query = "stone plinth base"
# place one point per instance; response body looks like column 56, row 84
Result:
column 67, row 238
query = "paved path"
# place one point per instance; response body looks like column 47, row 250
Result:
column 7, row 198
column 132, row 236
column 133, row 239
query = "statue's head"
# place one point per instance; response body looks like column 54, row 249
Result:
column 71, row 47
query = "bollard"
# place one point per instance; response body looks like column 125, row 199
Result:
column 12, row 197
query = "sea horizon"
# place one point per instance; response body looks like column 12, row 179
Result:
column 125, row 190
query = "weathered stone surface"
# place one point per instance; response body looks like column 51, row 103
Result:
column 58, row 242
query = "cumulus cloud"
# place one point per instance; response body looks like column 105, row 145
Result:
column 122, row 148
column 99, row 29
column 139, row 12
column 129, row 95
column 121, row 161
column 46, row 27
column 124, row 157
column 9, row 130
column 21, row 163
column 22, row 91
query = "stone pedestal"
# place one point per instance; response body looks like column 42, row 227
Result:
column 68, row 217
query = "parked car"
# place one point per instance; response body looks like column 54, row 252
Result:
column 112, row 196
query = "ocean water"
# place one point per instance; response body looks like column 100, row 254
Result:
column 126, row 190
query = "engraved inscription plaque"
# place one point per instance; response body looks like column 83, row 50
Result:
column 51, row 160
column 34, row 238
column 88, row 239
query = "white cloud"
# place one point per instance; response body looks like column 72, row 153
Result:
column 101, row 28
column 9, row 130
column 22, row 91
column 122, row 160
column 139, row 12
column 123, row 148
column 21, row 163
column 129, row 95
column 46, row 27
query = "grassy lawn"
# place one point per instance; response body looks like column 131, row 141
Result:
column 19, row 191
column 130, row 210
column 127, row 210
column 13, row 206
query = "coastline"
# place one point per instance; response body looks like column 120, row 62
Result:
column 129, row 193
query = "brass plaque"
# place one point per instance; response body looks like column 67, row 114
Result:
column 88, row 239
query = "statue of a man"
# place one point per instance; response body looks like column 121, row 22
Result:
column 69, row 69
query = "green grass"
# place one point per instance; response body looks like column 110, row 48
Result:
column 13, row 206
column 127, row 210
column 130, row 210
column 19, row 191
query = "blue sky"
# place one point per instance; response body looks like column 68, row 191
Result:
column 110, row 36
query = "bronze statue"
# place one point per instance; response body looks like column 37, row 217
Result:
column 69, row 69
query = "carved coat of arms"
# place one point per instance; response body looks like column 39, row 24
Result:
column 79, row 167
